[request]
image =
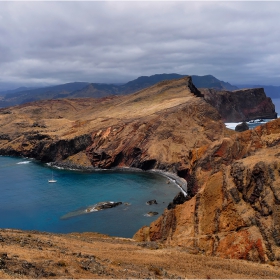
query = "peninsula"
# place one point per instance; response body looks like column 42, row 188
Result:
column 233, row 180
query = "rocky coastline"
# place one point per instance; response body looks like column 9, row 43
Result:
column 230, row 204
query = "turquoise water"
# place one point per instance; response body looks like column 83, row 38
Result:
column 29, row 202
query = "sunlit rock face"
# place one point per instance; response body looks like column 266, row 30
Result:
column 233, row 179
column 235, row 210
column 153, row 128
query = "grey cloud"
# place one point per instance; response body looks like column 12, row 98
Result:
column 56, row 42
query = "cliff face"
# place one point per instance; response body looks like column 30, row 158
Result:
column 241, row 105
column 233, row 179
column 153, row 128
column 235, row 211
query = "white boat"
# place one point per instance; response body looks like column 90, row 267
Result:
column 52, row 179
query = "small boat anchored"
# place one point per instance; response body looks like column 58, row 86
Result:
column 52, row 179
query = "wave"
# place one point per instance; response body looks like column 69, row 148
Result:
column 24, row 162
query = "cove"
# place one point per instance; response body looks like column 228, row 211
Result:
column 29, row 202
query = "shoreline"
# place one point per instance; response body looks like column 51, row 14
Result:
column 181, row 183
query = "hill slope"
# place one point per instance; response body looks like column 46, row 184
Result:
column 126, row 130
column 96, row 90
column 19, row 96
column 233, row 178
column 32, row 255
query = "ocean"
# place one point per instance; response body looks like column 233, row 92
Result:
column 29, row 202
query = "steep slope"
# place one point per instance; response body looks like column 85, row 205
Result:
column 241, row 105
column 233, row 179
column 96, row 90
column 234, row 211
column 35, row 255
column 153, row 128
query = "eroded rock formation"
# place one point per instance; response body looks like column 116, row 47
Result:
column 235, row 211
column 241, row 105
column 233, row 178
column 153, row 128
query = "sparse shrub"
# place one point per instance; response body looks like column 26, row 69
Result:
column 61, row 263
column 155, row 270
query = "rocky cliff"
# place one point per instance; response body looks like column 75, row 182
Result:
column 235, row 208
column 153, row 128
column 233, row 178
column 241, row 105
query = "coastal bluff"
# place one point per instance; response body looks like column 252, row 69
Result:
column 241, row 105
column 154, row 128
column 233, row 179
column 234, row 212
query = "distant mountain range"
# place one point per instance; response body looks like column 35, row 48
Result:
column 82, row 89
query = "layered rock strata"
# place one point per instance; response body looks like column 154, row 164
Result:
column 241, row 105
column 235, row 212
column 233, row 178
column 151, row 129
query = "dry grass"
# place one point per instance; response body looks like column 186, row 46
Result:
column 90, row 255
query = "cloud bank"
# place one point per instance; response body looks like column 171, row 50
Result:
column 59, row 42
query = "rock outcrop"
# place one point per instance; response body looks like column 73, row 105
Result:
column 242, row 127
column 233, row 178
column 235, row 210
column 153, row 128
column 241, row 105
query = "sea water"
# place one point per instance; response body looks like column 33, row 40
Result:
column 29, row 202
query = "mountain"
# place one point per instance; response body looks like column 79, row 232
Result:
column 210, row 81
column 231, row 209
column 142, row 82
column 15, row 97
column 52, row 130
column 271, row 91
column 15, row 90
column 77, row 90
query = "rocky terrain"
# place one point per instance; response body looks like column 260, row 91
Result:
column 32, row 255
column 234, row 212
column 97, row 90
column 232, row 207
column 153, row 128
column 241, row 105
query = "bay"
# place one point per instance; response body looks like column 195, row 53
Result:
column 29, row 202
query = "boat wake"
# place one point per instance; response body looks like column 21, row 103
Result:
column 24, row 162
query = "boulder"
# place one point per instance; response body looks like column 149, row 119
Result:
column 150, row 202
column 242, row 127
column 151, row 213
column 106, row 205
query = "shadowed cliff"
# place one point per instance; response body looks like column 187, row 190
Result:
column 153, row 128
column 241, row 105
column 233, row 178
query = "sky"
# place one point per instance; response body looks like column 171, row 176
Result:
column 48, row 43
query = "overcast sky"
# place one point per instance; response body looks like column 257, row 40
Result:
column 59, row 42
